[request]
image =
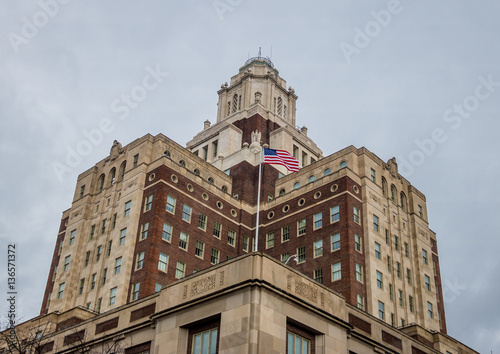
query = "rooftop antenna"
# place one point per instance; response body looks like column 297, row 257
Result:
column 259, row 53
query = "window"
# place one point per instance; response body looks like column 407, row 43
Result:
column 126, row 212
column 82, row 191
column 92, row 231
column 66, row 263
column 372, row 175
column 318, row 275
column 166, row 233
column 380, row 280
column 183, row 240
column 301, row 227
column 110, row 243
column 360, row 302
column 377, row 250
column 118, row 265
column 80, row 288
column 301, row 254
column 335, row 242
column 295, row 152
column 398, row 269
column 410, row 303
column 311, row 179
column 158, row 287
column 214, row 259
column 391, row 293
column 304, row 159
column 170, row 204
column 394, row 194
column 343, row 164
column 87, row 259
column 393, row 320
column 424, row 256
column 122, row 170
column 186, row 213
column 245, row 243
column 407, row 250
column 297, row 344
column 427, row 282
column 401, row 298
column 61, row 291
column 429, row 310
column 103, row 226
column 144, row 230
column 336, row 271
column 100, row 183
column 202, row 222
column 285, row 233
column 284, row 257
column 403, row 201
column 98, row 253
column 356, row 214
column 123, row 235
column 135, row 291
column 389, row 264
column 214, row 148
column 231, row 236
column 396, row 243
column 180, row 270
column 408, row 275
column 136, row 159
column 93, row 279
column 318, row 220
column 72, row 237
column 375, row 223
column 162, row 262
column 386, row 236
column 357, row 243
column 381, row 311
column 359, row 273
column 270, row 240
column 200, row 246
column 205, row 342
column 104, row 275
column 420, row 211
column 139, row 263
column 318, row 248
column 335, row 214
column 217, row 229
column 296, row 185
column 384, row 187
column 112, row 296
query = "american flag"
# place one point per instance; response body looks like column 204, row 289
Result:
column 281, row 157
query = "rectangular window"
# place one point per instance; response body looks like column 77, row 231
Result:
column 166, row 233
column 408, row 276
column 424, row 256
column 335, row 242
column 202, row 222
column 391, row 293
column 359, row 273
column 396, row 243
column 87, row 259
column 381, row 310
column 318, row 275
column 123, row 235
column 82, row 191
column 200, row 247
column 389, row 264
column 401, row 298
column 393, row 320
column 217, row 229
column 158, row 287
column 104, row 276
column 112, row 296
column 336, row 271
column 375, row 223
column 318, row 248
column 135, row 291
column 183, row 240
column 180, row 270
column 103, row 226
column 170, row 204
column 110, row 244
column 93, row 279
column 380, row 280
column 245, row 243
column 386, row 236
column 429, row 310
column 205, row 342
column 297, row 344
column 360, row 302
column 334, row 214
column 427, row 283
column 214, row 259
column 92, row 231
column 214, row 148
column 318, row 220
column 301, row 227
column 72, row 237
column 186, row 213
column 231, row 237
column 410, row 303
column 139, row 261
column 136, row 159
column 144, row 230
column 98, row 253
column 118, row 265
column 356, row 214
column 61, row 291
column 66, row 263
column 284, row 257
column 372, row 175
column 113, row 224
column 301, row 254
column 270, row 240
column 162, row 262
column 80, row 288
column 304, row 159
column 285, row 233
column 357, row 243
column 377, row 251
column 126, row 212
column 420, row 211
column 398, row 269
column 407, row 250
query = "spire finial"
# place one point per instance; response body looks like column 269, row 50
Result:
column 259, row 53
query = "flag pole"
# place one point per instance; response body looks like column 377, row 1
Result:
column 258, row 202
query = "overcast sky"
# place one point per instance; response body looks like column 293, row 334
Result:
column 418, row 80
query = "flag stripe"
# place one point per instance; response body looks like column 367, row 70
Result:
column 281, row 157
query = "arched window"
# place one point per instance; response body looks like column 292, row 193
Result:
column 122, row 170
column 384, row 187
column 235, row 102
column 284, row 111
column 196, row 172
column 403, row 201
column 280, row 106
column 182, row 163
column 311, row 179
column 327, row 172
column 228, row 108
column 296, row 185
column 112, row 175
column 224, row 189
column 343, row 164
column 282, row 192
column 394, row 194
column 100, row 182
column 166, row 154
column 210, row 180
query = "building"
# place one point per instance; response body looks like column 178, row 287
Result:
column 154, row 212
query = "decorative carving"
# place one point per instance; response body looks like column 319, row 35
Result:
column 322, row 300
column 392, row 166
column 289, row 282
column 202, row 285
column 306, row 291
column 221, row 278
column 185, row 292
column 115, row 151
